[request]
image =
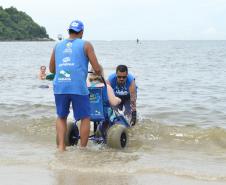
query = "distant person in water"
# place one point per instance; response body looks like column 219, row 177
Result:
column 42, row 73
column 138, row 41
column 124, row 87
column 43, row 76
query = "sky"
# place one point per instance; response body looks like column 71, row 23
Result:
column 130, row 19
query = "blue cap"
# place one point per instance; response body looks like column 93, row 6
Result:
column 76, row 25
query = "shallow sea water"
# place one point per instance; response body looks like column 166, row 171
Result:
column 180, row 137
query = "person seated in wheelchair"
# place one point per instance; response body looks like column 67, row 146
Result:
column 97, row 81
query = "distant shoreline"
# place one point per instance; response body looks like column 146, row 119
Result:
column 50, row 39
column 29, row 40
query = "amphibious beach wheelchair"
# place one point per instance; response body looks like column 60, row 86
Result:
column 110, row 127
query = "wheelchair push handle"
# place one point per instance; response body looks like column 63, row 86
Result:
column 101, row 78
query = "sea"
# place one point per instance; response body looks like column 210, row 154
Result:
column 180, row 137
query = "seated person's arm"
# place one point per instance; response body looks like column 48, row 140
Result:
column 114, row 101
column 108, row 82
column 92, row 57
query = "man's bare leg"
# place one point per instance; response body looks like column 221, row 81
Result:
column 61, row 128
column 84, row 131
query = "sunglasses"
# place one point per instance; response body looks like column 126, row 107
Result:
column 121, row 77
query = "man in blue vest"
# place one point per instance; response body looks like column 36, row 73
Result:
column 69, row 61
column 124, row 87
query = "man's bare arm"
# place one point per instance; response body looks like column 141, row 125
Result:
column 92, row 57
column 52, row 63
column 133, row 96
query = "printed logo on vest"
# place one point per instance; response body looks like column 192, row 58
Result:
column 121, row 91
column 64, row 76
column 68, row 48
column 66, row 62
column 66, row 59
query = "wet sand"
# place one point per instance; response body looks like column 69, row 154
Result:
column 26, row 175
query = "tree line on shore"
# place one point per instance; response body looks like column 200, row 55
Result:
column 17, row 25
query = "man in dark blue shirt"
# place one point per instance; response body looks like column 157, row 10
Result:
column 124, row 87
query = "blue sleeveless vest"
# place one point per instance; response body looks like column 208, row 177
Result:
column 71, row 65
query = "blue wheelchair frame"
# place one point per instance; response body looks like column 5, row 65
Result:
column 103, row 116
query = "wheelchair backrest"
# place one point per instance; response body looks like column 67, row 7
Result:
column 96, row 98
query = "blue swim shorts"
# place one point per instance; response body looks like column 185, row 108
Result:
column 80, row 105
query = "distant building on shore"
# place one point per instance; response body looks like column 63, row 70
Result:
column 60, row 37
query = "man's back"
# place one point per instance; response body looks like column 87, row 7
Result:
column 71, row 67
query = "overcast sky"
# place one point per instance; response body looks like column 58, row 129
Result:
column 130, row 19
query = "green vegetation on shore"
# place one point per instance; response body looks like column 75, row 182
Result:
column 17, row 25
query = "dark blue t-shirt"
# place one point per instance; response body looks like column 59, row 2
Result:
column 121, row 91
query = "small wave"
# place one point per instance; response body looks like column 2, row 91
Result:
column 33, row 130
column 118, row 162
column 19, row 111
column 153, row 133
column 146, row 133
column 184, row 173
